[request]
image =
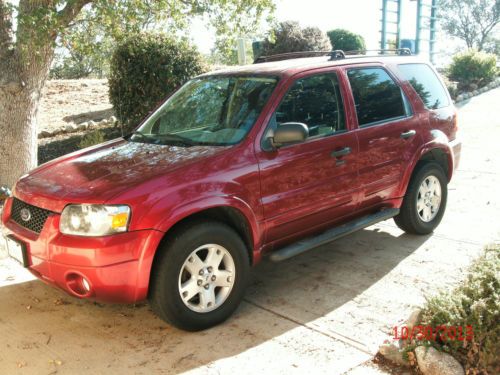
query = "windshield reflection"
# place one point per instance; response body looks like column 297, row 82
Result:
column 213, row 110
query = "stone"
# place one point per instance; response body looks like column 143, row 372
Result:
column 393, row 353
column 91, row 124
column 473, row 87
column 83, row 126
column 414, row 319
column 433, row 362
column 70, row 128
column 112, row 119
column 44, row 134
column 475, row 92
column 460, row 98
column 103, row 122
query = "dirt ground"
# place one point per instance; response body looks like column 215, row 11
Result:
column 325, row 311
column 63, row 101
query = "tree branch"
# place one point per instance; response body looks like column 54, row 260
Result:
column 70, row 11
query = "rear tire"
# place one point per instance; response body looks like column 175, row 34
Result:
column 425, row 201
column 200, row 276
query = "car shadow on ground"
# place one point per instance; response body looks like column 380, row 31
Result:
column 316, row 285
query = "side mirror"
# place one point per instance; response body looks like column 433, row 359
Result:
column 4, row 193
column 289, row 132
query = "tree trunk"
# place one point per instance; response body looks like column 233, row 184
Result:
column 18, row 133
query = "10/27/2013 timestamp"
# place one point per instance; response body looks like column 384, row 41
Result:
column 430, row 333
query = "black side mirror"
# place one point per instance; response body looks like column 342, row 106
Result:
column 289, row 132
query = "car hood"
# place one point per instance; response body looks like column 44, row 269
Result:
column 98, row 174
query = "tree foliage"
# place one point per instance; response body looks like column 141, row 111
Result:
column 95, row 32
column 288, row 36
column 472, row 21
column 346, row 40
column 145, row 68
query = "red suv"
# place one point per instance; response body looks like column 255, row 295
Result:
column 273, row 158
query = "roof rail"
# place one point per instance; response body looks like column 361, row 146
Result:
column 334, row 55
column 396, row 51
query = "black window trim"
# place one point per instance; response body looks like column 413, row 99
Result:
column 264, row 147
column 443, row 86
column 396, row 82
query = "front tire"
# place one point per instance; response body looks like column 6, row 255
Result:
column 425, row 201
column 200, row 276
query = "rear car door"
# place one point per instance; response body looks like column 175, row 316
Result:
column 388, row 132
column 308, row 185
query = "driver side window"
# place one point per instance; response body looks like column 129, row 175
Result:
column 314, row 101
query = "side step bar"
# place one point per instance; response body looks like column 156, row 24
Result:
column 331, row 234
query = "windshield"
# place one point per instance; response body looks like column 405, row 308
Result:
column 213, row 110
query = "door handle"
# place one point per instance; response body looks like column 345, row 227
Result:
column 342, row 152
column 408, row 134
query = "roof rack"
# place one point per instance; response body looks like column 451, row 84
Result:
column 334, row 55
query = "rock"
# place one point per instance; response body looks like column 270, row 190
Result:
column 433, row 362
column 83, row 126
column 472, row 87
column 103, row 122
column 475, row 92
column 393, row 353
column 414, row 319
column 70, row 128
column 460, row 98
column 91, row 124
column 44, row 134
column 112, row 119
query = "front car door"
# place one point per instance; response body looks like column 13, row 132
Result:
column 388, row 132
column 307, row 186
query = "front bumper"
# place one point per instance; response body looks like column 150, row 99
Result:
column 116, row 268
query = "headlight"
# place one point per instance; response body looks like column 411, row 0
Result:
column 94, row 219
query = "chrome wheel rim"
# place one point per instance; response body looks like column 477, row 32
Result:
column 207, row 278
column 429, row 198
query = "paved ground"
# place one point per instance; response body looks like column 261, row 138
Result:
column 325, row 311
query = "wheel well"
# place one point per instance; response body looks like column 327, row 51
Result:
column 439, row 156
column 226, row 215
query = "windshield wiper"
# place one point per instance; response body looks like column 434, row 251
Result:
column 177, row 138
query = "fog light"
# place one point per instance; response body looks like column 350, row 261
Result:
column 78, row 285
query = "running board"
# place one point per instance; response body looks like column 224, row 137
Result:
column 331, row 234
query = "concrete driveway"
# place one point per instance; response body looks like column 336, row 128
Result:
column 325, row 311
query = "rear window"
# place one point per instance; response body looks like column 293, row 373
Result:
column 376, row 96
column 426, row 84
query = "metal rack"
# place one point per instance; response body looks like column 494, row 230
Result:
column 334, row 55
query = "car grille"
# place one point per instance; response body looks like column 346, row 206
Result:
column 34, row 221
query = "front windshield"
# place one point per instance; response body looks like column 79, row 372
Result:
column 213, row 110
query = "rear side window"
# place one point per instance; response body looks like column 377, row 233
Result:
column 376, row 96
column 426, row 84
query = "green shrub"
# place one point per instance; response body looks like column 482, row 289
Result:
column 288, row 36
column 346, row 40
column 475, row 302
column 472, row 69
column 145, row 69
column 91, row 139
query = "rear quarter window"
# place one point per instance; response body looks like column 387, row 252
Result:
column 426, row 84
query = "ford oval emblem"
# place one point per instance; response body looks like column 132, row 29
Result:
column 25, row 214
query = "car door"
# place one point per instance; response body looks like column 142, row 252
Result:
column 307, row 186
column 388, row 133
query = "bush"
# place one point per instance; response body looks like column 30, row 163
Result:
column 472, row 68
column 476, row 302
column 290, row 37
column 93, row 138
column 145, row 69
column 346, row 40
